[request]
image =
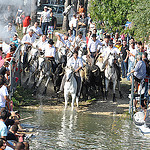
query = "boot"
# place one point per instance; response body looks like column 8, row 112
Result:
column 121, row 96
column 106, row 94
column 114, row 98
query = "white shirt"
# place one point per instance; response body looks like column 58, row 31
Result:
column 29, row 39
column 71, row 38
column 36, row 30
column 3, row 92
column 107, row 51
column 132, row 51
column 77, row 40
column 39, row 43
column 73, row 22
column 45, row 16
column 49, row 51
column 75, row 63
column 93, row 46
column 62, row 42
column 6, row 48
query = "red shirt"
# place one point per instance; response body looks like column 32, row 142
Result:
column 8, row 56
column 26, row 21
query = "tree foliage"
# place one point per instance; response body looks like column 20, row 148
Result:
column 140, row 16
column 113, row 12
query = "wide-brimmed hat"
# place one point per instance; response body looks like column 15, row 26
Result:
column 94, row 35
column 51, row 42
column 45, row 7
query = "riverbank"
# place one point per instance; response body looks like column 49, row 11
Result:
column 93, row 106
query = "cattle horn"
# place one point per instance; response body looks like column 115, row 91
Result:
column 94, row 70
column 61, row 74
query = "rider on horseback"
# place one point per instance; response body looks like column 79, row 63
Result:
column 76, row 63
column 113, row 50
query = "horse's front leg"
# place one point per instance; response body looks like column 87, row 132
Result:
column 114, row 87
column 106, row 87
column 73, row 99
column 118, row 82
column 44, row 92
column 66, row 99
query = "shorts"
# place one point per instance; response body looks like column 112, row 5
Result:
column 18, row 20
column 50, row 29
column 136, row 79
column 25, row 30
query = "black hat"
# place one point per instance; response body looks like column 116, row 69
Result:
column 107, row 36
column 51, row 42
column 94, row 35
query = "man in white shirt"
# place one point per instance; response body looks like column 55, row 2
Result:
column 113, row 50
column 73, row 24
column 71, row 36
column 93, row 46
column 27, row 40
column 79, row 39
column 45, row 19
column 40, row 44
column 131, row 58
column 50, row 52
column 37, row 30
column 76, row 63
column 4, row 95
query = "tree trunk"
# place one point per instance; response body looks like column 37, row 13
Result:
column 33, row 11
column 85, row 6
column 65, row 26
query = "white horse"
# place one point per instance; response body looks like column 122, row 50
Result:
column 110, row 74
column 70, row 87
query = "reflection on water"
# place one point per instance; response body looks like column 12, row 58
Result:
column 72, row 130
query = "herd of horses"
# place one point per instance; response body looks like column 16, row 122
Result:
column 94, row 77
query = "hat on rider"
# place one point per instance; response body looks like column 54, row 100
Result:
column 94, row 35
column 75, row 52
column 50, row 42
column 107, row 36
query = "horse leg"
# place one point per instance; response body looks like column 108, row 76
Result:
column 73, row 99
column 114, row 86
column 66, row 99
column 44, row 92
column 77, row 101
column 106, row 88
column 121, row 96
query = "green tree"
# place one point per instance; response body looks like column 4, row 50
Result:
column 113, row 12
column 140, row 17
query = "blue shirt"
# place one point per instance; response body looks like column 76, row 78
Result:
column 16, row 42
column 140, row 70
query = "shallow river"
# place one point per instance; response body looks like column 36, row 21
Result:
column 72, row 130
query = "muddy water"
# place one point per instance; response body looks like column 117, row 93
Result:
column 71, row 130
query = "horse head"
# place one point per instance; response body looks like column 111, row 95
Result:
column 111, row 59
column 69, row 73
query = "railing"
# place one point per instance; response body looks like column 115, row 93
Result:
column 15, row 70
